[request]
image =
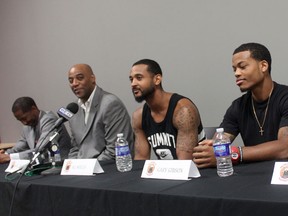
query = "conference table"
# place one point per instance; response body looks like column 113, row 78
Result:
column 247, row 192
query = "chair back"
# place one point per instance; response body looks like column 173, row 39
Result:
column 210, row 131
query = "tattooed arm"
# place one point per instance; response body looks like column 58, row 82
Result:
column 141, row 145
column 186, row 119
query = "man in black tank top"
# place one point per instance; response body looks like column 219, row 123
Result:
column 168, row 124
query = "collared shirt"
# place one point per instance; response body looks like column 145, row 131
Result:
column 87, row 105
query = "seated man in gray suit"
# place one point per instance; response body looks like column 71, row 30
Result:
column 100, row 118
column 37, row 124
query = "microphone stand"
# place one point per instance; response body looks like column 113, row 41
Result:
column 40, row 150
column 35, row 165
column 55, row 156
column 34, row 162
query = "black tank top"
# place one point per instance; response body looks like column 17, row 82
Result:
column 162, row 136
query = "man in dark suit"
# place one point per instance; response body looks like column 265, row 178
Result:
column 100, row 118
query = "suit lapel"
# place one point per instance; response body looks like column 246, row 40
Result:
column 34, row 133
column 93, row 112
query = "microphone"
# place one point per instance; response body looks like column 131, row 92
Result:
column 65, row 114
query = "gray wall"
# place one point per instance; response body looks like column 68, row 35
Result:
column 191, row 39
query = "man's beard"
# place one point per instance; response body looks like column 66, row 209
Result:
column 145, row 94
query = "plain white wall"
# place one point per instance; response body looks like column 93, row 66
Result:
column 191, row 39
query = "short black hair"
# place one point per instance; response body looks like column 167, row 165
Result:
column 153, row 66
column 258, row 52
column 24, row 104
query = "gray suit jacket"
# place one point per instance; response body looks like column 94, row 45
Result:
column 26, row 144
column 108, row 116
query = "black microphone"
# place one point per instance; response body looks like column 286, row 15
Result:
column 65, row 114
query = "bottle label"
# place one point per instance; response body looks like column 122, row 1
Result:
column 222, row 150
column 122, row 150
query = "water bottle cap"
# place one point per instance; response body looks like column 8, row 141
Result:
column 220, row 130
column 120, row 135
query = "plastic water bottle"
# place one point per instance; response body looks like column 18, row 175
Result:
column 123, row 156
column 221, row 147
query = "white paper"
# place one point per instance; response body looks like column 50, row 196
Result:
column 280, row 173
column 170, row 169
column 17, row 166
column 81, row 167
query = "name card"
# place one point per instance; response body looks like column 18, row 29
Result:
column 170, row 169
column 280, row 173
column 81, row 167
column 17, row 166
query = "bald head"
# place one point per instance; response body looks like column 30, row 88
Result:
column 82, row 81
column 84, row 67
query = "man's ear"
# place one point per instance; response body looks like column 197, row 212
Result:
column 34, row 108
column 264, row 65
column 158, row 79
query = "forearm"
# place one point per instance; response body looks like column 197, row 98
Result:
column 184, row 155
column 272, row 150
column 141, row 157
column 141, row 153
column 185, row 145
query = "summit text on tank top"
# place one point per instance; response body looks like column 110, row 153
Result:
column 162, row 136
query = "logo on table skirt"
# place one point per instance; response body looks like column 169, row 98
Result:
column 150, row 168
column 284, row 172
